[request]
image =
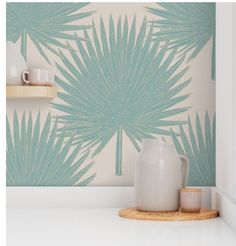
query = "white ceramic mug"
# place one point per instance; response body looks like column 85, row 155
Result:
column 36, row 76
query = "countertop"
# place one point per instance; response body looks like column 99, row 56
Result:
column 103, row 227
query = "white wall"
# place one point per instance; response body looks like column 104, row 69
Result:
column 225, row 99
column 234, row 100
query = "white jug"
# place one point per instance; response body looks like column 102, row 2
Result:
column 15, row 64
column 160, row 173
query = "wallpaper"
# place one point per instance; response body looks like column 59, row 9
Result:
column 125, row 71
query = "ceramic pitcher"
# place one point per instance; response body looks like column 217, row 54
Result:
column 160, row 173
column 15, row 64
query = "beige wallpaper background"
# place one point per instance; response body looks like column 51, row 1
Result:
column 202, row 90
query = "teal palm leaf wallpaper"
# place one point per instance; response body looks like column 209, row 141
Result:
column 121, row 85
column 186, row 26
column 45, row 24
column 200, row 149
column 124, row 72
column 42, row 158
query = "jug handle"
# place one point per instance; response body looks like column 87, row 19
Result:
column 184, row 169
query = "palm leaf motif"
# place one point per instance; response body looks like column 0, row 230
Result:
column 186, row 26
column 200, row 149
column 46, row 24
column 120, row 84
column 41, row 158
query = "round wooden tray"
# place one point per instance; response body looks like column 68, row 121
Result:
column 132, row 213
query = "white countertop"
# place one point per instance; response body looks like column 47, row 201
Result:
column 103, row 227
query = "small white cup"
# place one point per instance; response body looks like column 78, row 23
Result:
column 36, row 76
column 190, row 200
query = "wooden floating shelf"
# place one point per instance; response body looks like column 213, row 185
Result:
column 31, row 91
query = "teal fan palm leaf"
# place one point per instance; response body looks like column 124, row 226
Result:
column 42, row 158
column 45, row 24
column 186, row 26
column 121, row 84
column 200, row 149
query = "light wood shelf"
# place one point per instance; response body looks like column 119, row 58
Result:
column 31, row 91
